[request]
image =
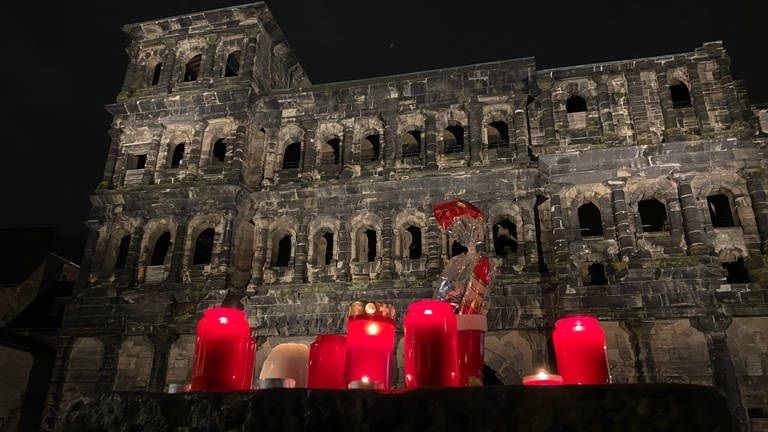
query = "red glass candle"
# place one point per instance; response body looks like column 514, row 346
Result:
column 223, row 351
column 580, row 351
column 430, row 345
column 370, row 344
column 543, row 379
column 471, row 348
column 326, row 362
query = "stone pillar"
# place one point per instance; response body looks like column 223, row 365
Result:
column 310, row 152
column 475, row 133
column 153, row 165
column 521, row 136
column 528, row 231
column 132, row 258
column 665, row 99
column 270, row 156
column 547, row 112
column 259, row 250
column 390, row 145
column 759, row 198
column 177, row 254
column 640, row 336
column 161, row 343
column 604, row 105
column 387, row 266
column 193, row 154
column 559, row 236
column 348, row 162
column 225, row 254
column 430, row 140
column 345, row 248
column 300, row 257
column 433, row 239
column 724, row 373
column 698, row 243
column 108, row 369
column 114, row 147
column 621, row 220
column 207, row 69
column 88, row 255
column 249, row 53
column 697, row 98
column 167, row 78
column 235, row 172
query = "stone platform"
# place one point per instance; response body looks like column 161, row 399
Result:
column 627, row 408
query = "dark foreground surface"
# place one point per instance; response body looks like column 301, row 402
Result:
column 649, row 407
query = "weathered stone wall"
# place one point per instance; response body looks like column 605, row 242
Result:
column 14, row 372
column 281, row 217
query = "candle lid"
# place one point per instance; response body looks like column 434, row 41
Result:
column 447, row 211
column 372, row 308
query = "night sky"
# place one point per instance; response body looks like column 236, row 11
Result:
column 63, row 62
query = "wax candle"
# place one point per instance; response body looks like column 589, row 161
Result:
column 287, row 361
column 471, row 348
column 326, row 362
column 543, row 379
column 370, row 343
column 223, row 359
column 430, row 345
column 580, row 350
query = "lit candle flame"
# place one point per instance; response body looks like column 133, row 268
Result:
column 372, row 329
column 365, row 379
column 428, row 312
column 223, row 320
column 541, row 375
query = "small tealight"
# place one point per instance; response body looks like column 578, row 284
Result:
column 543, row 379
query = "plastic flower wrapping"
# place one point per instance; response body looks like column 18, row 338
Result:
column 466, row 281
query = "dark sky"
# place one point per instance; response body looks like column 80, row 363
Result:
column 63, row 63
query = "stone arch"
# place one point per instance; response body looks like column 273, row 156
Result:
column 289, row 134
column 278, row 230
column 116, row 251
column 150, row 61
column 197, row 225
column 174, row 135
column 326, row 133
column 186, row 50
column 409, row 124
column 366, row 127
column 406, row 218
column 85, row 360
column 453, row 131
column 499, row 212
column 734, row 188
column 509, row 354
column 153, row 229
column 680, row 353
column 318, row 243
column 361, row 244
column 134, row 364
column 497, row 127
column 217, row 131
column 663, row 190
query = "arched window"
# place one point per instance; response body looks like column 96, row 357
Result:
column 411, row 144
column 737, row 273
column 282, row 252
column 232, row 68
column 204, row 247
column 412, row 242
column 720, row 211
column 590, row 221
column 366, row 243
column 681, row 97
column 192, row 69
column 370, row 148
column 329, row 152
column 324, row 248
column 596, row 274
column 161, row 249
column 498, row 134
column 122, row 252
column 292, row 156
column 453, row 139
column 504, row 238
column 219, row 152
column 156, row 74
column 653, row 215
column 178, row 156
column 458, row 248
column 575, row 104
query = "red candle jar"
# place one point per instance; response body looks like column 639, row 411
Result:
column 580, row 350
column 224, row 351
column 326, row 362
column 471, row 348
column 542, row 379
column 431, row 358
column 370, row 343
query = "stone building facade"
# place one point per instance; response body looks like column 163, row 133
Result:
column 633, row 190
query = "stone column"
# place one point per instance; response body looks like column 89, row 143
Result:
column 193, row 154
column 759, row 198
column 225, row 254
column 259, row 250
column 475, row 133
column 134, row 251
column 698, row 243
column 521, row 136
column 88, row 255
column 310, row 152
column 177, row 254
column 387, row 266
column 640, row 336
column 621, row 220
column 665, row 99
column 604, row 104
column 300, row 257
column 433, row 239
column 270, row 156
column 559, row 236
column 528, row 231
column 161, row 343
column 235, row 171
column 390, row 145
column 697, row 98
column 547, row 112
column 108, row 369
column 348, row 162
column 207, row 69
column 430, row 140
column 724, row 373
column 153, row 165
column 167, row 78
column 114, row 147
column 249, row 53
column 344, row 245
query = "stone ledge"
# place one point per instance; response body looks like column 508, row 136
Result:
column 657, row 407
